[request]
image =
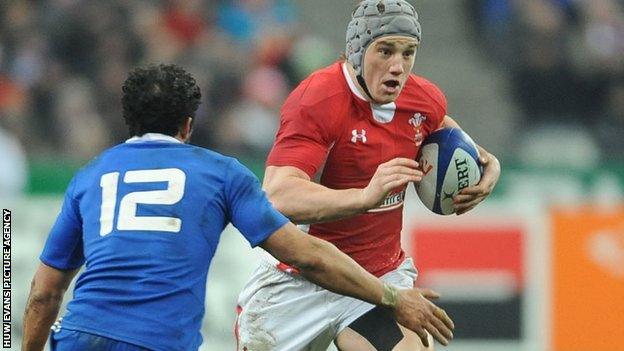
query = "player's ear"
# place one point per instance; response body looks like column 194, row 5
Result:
column 186, row 129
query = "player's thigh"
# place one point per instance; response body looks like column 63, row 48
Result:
column 350, row 340
column 279, row 312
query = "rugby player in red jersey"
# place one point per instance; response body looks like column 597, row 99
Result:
column 358, row 124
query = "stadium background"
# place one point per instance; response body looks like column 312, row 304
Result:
column 540, row 83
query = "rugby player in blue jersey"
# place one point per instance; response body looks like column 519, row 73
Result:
column 145, row 218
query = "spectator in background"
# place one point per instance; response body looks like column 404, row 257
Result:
column 543, row 79
column 184, row 20
column 78, row 118
column 610, row 129
column 600, row 57
column 494, row 21
column 603, row 34
column 310, row 52
column 551, row 93
column 248, row 128
column 564, row 57
column 244, row 19
column 48, row 47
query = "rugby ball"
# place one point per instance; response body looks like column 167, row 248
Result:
column 449, row 160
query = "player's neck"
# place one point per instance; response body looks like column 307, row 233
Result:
column 355, row 81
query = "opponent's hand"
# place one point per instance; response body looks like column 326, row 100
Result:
column 388, row 176
column 416, row 312
column 470, row 197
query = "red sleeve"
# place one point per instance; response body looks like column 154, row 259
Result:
column 434, row 96
column 439, row 99
column 303, row 138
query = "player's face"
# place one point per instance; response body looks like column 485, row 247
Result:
column 387, row 64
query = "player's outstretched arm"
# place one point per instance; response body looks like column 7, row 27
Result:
column 46, row 294
column 323, row 264
column 286, row 184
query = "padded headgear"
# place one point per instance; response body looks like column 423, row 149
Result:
column 372, row 19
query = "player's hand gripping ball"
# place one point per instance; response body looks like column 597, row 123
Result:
column 450, row 162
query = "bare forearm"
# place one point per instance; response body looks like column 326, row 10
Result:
column 46, row 294
column 337, row 272
column 307, row 202
column 41, row 311
column 323, row 264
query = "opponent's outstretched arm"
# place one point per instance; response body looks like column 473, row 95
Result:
column 46, row 294
column 323, row 264
column 284, row 186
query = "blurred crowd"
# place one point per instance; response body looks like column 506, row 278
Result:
column 565, row 61
column 62, row 64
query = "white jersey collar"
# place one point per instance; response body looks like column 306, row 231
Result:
column 381, row 113
column 350, row 82
column 153, row 137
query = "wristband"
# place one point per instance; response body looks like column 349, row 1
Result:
column 390, row 297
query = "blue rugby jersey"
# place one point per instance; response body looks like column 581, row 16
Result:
column 145, row 217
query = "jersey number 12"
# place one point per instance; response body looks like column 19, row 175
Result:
column 127, row 218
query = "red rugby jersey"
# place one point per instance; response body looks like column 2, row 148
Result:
column 327, row 125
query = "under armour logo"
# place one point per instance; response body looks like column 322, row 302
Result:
column 358, row 136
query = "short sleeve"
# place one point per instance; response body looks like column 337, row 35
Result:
column 63, row 248
column 249, row 209
column 302, row 140
column 440, row 103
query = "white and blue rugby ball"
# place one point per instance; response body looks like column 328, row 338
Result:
column 450, row 162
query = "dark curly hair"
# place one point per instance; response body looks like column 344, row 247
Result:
column 158, row 99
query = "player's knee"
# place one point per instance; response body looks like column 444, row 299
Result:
column 349, row 340
column 412, row 342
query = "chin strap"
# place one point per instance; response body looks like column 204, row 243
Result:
column 360, row 80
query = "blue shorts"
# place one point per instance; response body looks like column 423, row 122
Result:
column 71, row 340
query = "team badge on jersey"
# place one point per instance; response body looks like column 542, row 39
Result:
column 416, row 122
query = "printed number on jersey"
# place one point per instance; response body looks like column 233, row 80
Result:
column 127, row 218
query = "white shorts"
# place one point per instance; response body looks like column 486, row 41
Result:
column 279, row 311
